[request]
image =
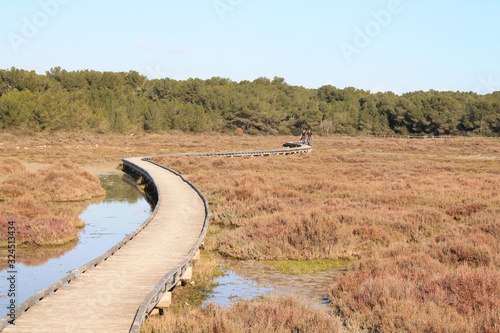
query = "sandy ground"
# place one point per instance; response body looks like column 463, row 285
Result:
column 98, row 169
column 105, row 168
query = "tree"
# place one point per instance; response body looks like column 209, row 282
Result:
column 128, row 101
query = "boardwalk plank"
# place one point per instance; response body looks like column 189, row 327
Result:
column 106, row 298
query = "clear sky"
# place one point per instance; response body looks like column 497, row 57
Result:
column 396, row 45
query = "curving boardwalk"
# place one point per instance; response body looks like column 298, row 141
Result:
column 106, row 298
column 115, row 292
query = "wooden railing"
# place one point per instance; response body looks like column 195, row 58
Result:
column 297, row 148
column 172, row 277
column 76, row 272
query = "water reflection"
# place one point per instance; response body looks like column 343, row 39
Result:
column 36, row 255
column 106, row 223
column 116, row 193
column 253, row 279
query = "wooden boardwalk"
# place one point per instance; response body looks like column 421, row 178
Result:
column 113, row 293
column 106, row 298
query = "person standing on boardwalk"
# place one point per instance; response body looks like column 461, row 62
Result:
column 303, row 136
column 309, row 137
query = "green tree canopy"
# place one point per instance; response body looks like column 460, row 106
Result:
column 128, row 101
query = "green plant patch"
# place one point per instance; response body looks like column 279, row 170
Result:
column 213, row 230
column 194, row 293
column 297, row 267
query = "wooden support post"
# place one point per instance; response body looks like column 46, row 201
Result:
column 196, row 256
column 187, row 276
column 165, row 301
column 162, row 305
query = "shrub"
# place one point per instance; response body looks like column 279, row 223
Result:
column 422, row 216
column 39, row 231
column 11, row 165
column 404, row 289
column 28, row 199
column 277, row 315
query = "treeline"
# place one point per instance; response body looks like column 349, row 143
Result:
column 123, row 102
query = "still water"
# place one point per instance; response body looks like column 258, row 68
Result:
column 119, row 213
column 248, row 280
column 106, row 223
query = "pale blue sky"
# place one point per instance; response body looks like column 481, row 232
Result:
column 397, row 45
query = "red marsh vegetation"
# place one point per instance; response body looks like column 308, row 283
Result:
column 33, row 189
column 275, row 315
column 421, row 216
column 45, row 204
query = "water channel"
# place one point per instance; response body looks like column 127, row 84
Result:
column 247, row 280
column 119, row 213
column 106, row 223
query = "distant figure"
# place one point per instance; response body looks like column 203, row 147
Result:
column 309, row 137
column 303, row 136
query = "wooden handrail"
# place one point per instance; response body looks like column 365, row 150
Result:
column 170, row 279
column 282, row 151
column 23, row 307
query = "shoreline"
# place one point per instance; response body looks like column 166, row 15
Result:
column 103, row 169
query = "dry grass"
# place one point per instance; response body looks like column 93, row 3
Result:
column 11, row 165
column 33, row 201
column 333, row 203
column 89, row 148
column 423, row 216
column 60, row 182
column 404, row 289
column 280, row 315
column 200, row 287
